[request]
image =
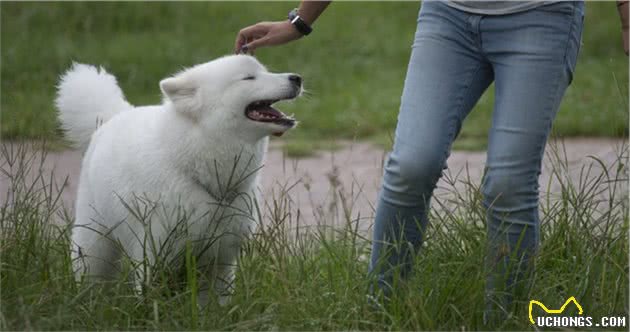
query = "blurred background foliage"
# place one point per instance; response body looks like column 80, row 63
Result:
column 354, row 63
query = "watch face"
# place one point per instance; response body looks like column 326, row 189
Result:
column 292, row 14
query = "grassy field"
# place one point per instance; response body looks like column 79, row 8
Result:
column 353, row 68
column 317, row 280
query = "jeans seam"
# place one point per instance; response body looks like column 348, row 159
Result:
column 566, row 46
column 564, row 63
column 466, row 94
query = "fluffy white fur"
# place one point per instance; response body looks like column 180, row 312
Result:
column 87, row 97
column 189, row 164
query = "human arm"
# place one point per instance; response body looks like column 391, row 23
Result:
column 279, row 32
column 622, row 8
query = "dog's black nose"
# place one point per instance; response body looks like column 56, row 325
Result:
column 297, row 80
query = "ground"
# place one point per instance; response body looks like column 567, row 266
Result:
column 325, row 186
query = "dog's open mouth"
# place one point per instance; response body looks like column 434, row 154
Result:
column 262, row 111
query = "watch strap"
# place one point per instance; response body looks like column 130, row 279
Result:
column 299, row 23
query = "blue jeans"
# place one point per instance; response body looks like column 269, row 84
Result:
column 455, row 56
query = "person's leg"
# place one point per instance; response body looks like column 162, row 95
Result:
column 445, row 78
column 533, row 55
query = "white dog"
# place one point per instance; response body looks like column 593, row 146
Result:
column 158, row 179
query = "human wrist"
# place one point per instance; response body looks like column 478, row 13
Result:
column 310, row 10
column 622, row 8
column 298, row 23
column 292, row 32
column 306, row 16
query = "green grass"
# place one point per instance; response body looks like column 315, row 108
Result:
column 354, row 68
column 317, row 280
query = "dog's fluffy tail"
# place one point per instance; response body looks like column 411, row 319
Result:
column 86, row 98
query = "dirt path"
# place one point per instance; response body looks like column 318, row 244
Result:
column 326, row 186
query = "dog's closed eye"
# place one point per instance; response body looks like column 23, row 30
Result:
column 251, row 77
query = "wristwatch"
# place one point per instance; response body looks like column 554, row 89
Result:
column 299, row 23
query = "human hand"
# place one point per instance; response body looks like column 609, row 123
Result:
column 265, row 34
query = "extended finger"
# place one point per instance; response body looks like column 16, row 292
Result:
column 245, row 34
column 254, row 44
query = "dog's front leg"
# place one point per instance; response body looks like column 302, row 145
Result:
column 224, row 282
column 220, row 280
column 142, row 261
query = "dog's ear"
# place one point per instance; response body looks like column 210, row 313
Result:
column 183, row 94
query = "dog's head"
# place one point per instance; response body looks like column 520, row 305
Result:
column 235, row 93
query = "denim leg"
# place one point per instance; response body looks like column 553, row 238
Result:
column 533, row 55
column 445, row 78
